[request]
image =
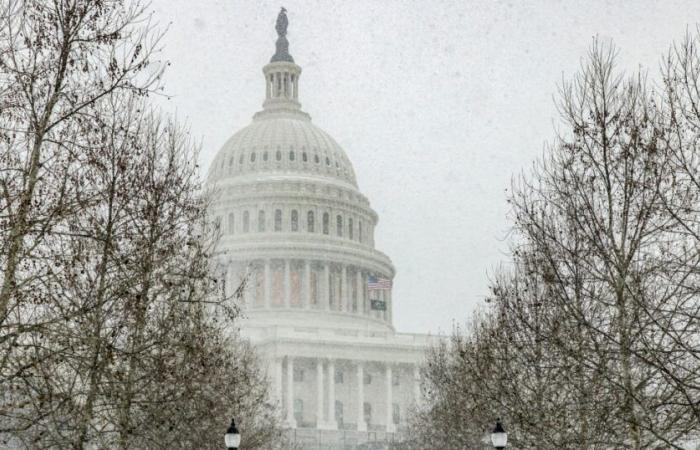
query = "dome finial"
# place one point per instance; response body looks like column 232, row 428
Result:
column 282, row 45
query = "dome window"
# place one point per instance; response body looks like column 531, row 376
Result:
column 252, row 157
column 336, row 165
column 240, row 160
column 278, row 156
column 291, row 155
column 310, row 222
column 295, row 220
column 339, row 225
column 246, row 221
column 278, row 220
column 350, row 230
column 265, row 156
column 261, row 221
column 326, row 221
column 328, row 162
column 317, row 159
column 230, row 162
column 303, row 157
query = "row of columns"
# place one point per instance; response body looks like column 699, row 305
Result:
column 282, row 84
column 325, row 393
column 343, row 302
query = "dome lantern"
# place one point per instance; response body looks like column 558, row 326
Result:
column 282, row 74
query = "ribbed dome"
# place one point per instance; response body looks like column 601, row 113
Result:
column 282, row 143
column 282, row 140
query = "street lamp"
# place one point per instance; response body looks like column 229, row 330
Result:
column 499, row 437
column 232, row 437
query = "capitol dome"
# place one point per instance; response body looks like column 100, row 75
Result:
column 282, row 143
column 297, row 241
column 294, row 224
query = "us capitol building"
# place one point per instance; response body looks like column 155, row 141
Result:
column 317, row 303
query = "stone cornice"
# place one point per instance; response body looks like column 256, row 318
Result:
column 302, row 246
column 327, row 344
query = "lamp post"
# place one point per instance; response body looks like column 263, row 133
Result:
column 232, row 438
column 499, row 437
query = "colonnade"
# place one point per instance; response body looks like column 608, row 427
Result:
column 282, row 83
column 325, row 380
column 306, row 284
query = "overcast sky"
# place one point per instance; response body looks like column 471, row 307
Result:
column 436, row 103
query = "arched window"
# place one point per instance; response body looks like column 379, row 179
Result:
column 310, row 223
column 278, row 220
column 350, row 230
column 339, row 225
column 252, row 157
column 291, row 155
column 231, row 224
column 304, row 157
column 261, row 220
column 328, row 161
column 295, row 220
column 246, row 221
column 326, row 224
column 317, row 159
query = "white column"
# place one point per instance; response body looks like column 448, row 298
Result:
column 290, row 393
column 332, row 424
column 326, row 285
column 360, row 293
column 361, row 425
column 267, row 284
column 277, row 374
column 307, row 284
column 344, row 297
column 389, row 402
column 287, row 284
column 319, row 394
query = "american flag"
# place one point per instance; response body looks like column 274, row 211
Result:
column 374, row 283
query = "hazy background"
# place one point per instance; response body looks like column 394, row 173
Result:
column 437, row 104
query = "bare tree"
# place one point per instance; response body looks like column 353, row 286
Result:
column 58, row 59
column 114, row 331
column 591, row 339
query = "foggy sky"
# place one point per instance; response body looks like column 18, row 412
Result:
column 437, row 104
